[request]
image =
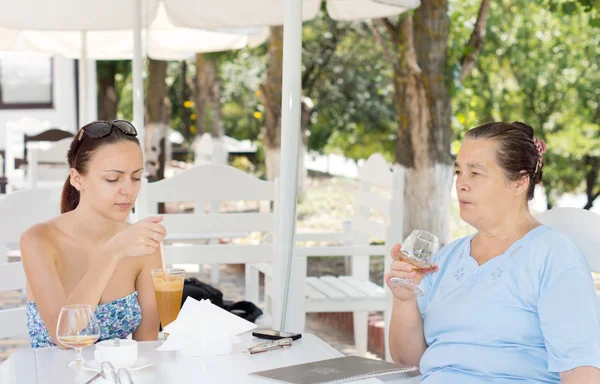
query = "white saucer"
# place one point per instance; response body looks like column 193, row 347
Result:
column 95, row 365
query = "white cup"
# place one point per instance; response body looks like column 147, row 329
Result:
column 120, row 353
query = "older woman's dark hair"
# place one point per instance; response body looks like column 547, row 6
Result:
column 519, row 153
column 79, row 156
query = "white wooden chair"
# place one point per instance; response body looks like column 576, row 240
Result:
column 581, row 226
column 214, row 184
column 22, row 209
column 47, row 163
column 19, row 211
column 377, row 217
column 209, row 151
column 14, row 144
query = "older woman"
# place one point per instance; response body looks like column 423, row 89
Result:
column 514, row 302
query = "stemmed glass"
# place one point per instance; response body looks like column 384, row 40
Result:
column 77, row 328
column 418, row 249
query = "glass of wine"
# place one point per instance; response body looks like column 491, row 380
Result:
column 77, row 328
column 418, row 249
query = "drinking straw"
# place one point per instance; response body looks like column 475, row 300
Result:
column 162, row 259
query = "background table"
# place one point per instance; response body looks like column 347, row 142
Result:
column 49, row 365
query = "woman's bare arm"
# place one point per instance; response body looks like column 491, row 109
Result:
column 39, row 254
column 581, row 375
column 148, row 328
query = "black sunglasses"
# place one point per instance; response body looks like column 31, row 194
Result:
column 100, row 129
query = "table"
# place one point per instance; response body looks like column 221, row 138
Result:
column 49, row 365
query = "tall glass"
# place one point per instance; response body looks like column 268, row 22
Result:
column 418, row 249
column 77, row 328
column 169, row 291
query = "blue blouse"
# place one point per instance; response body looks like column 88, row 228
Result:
column 117, row 319
column 525, row 315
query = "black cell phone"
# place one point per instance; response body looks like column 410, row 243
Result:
column 271, row 334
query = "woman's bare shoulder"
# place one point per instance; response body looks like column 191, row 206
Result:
column 42, row 236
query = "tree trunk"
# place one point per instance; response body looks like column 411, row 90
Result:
column 184, row 94
column 107, row 91
column 424, row 111
column 157, row 118
column 307, row 106
column 271, row 98
column 208, row 97
column 591, row 178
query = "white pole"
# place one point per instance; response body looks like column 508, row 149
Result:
column 137, row 67
column 138, row 92
column 288, row 179
column 83, row 81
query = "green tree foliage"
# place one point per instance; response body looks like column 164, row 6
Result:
column 541, row 67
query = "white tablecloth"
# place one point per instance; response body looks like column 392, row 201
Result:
column 49, row 365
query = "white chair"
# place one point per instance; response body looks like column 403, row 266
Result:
column 19, row 211
column 214, row 183
column 14, row 144
column 22, row 209
column 209, row 151
column 47, row 163
column 581, row 226
column 378, row 216
column 13, row 321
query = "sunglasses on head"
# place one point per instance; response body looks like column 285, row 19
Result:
column 100, row 129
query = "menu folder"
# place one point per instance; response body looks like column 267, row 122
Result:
column 332, row 371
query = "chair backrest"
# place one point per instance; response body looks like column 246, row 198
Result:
column 49, row 162
column 581, row 226
column 378, row 208
column 213, row 183
column 19, row 211
column 13, row 321
column 48, row 136
column 14, row 142
column 24, row 208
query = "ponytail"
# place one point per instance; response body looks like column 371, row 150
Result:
column 70, row 197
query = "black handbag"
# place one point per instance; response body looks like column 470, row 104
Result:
column 201, row 291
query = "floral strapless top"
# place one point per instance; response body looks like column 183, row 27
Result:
column 117, row 319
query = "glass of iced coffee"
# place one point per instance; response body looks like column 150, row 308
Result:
column 168, row 287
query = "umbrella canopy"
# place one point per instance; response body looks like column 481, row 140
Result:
column 75, row 15
column 93, row 15
column 236, row 13
column 161, row 40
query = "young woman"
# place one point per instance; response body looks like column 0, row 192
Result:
column 90, row 254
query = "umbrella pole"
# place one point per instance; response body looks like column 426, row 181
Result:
column 137, row 68
column 83, row 81
column 288, row 179
column 138, row 95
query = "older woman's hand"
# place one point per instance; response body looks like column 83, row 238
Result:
column 404, row 270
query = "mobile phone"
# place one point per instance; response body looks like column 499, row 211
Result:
column 271, row 334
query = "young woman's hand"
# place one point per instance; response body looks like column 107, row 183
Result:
column 139, row 239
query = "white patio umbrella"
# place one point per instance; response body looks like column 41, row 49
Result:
column 118, row 14
column 161, row 40
column 98, row 40
column 291, row 14
column 84, row 17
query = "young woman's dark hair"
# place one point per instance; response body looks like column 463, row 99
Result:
column 85, row 143
column 519, row 151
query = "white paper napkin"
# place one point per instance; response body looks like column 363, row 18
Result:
column 203, row 329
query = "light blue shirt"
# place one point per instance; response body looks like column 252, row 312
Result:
column 523, row 316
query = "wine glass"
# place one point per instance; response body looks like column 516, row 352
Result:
column 418, row 249
column 77, row 328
